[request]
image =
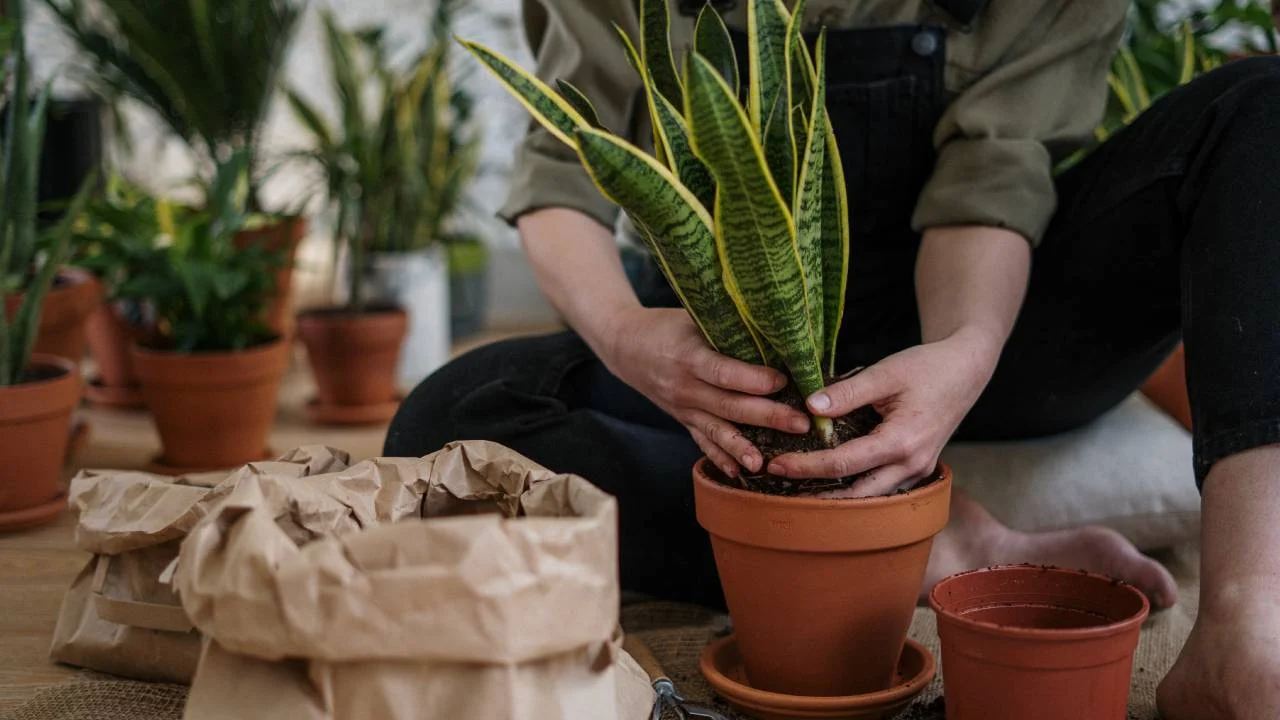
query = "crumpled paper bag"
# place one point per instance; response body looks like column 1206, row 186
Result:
column 500, row 601
column 118, row 616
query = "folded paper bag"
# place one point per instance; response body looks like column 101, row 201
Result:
column 118, row 617
column 502, row 601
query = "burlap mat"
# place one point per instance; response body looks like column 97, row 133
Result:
column 676, row 634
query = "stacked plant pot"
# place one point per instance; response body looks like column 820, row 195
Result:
column 280, row 235
column 354, row 355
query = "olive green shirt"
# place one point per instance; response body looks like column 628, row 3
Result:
column 1026, row 85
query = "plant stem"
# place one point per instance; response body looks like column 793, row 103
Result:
column 825, row 429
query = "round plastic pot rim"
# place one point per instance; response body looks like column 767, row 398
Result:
column 1115, row 627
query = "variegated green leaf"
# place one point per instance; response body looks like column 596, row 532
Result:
column 753, row 226
column 767, row 22
column 554, row 112
column 780, row 149
column 835, row 221
column 679, row 232
column 688, row 166
column 810, row 212
column 650, row 87
column 712, row 41
column 800, row 74
column 574, row 97
column 655, row 48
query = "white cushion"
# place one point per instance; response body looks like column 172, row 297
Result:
column 1130, row 470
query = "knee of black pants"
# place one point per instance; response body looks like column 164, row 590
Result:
column 491, row 387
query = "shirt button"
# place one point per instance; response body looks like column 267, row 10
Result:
column 924, row 43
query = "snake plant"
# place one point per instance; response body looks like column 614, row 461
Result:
column 743, row 204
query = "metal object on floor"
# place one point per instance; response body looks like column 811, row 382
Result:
column 668, row 700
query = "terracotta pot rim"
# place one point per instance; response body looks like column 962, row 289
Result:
column 782, row 702
column 345, row 314
column 42, row 360
column 1115, row 627
column 263, row 348
column 812, row 503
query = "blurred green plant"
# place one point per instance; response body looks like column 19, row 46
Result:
column 27, row 268
column 398, row 163
column 205, row 294
column 207, row 68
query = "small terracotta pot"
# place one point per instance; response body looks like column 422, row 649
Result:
column 1022, row 641
column 213, row 410
column 35, row 423
column 354, row 354
column 1167, row 388
column 110, row 339
column 821, row 591
column 280, row 236
column 66, row 311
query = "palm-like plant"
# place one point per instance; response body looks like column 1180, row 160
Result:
column 743, row 207
column 207, row 68
column 397, row 167
column 26, row 266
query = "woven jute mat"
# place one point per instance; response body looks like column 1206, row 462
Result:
column 676, row 634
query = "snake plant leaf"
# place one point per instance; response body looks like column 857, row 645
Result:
column 754, row 230
column 780, row 148
column 655, row 48
column 800, row 75
column 819, row 231
column 678, row 230
column 646, row 79
column 574, row 97
column 835, row 218
column 767, row 22
column 548, row 108
column 712, row 41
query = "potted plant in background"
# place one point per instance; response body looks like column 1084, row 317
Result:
column 37, row 392
column 209, row 368
column 113, row 237
column 745, row 210
column 208, row 70
column 468, row 286
column 395, row 169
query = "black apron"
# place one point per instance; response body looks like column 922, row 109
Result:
column 885, row 95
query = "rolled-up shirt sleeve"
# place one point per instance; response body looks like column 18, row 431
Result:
column 998, row 140
column 574, row 40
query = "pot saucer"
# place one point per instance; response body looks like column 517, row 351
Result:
column 160, row 466
column 372, row 414
column 128, row 397
column 33, row 516
column 721, row 664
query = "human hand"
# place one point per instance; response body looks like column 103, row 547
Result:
column 922, row 393
column 660, row 353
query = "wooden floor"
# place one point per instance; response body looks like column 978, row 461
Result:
column 37, row 566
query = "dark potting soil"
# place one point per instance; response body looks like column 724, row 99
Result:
column 341, row 310
column 40, row 373
column 936, row 710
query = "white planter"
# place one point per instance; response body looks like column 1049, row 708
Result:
column 419, row 283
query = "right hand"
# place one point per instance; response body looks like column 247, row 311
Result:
column 661, row 354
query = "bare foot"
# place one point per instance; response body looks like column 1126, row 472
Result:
column 1230, row 667
column 974, row 539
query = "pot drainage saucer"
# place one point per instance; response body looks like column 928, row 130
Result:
column 128, row 397
column 321, row 414
column 721, row 664
column 33, row 516
column 160, row 466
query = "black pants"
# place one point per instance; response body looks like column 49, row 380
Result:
column 1171, row 229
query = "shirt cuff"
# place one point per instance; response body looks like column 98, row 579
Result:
column 982, row 181
column 547, row 176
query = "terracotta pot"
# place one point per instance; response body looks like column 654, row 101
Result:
column 821, row 591
column 35, row 423
column 1034, row 642
column 1167, row 388
column 280, row 236
column 354, row 354
column 213, row 410
column 66, row 310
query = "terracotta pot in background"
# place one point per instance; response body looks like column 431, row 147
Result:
column 213, row 410
column 353, row 356
column 110, row 338
column 1033, row 642
column 1167, row 388
column 821, row 591
column 67, row 307
column 35, row 422
column 282, row 235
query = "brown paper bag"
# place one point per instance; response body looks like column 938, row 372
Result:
column 119, row 617
column 500, row 601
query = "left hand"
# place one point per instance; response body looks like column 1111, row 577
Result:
column 922, row 393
